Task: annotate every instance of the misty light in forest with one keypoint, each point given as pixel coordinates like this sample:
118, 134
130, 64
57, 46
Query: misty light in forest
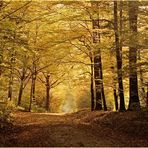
73, 73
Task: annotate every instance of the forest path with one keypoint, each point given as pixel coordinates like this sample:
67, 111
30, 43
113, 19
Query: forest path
46, 129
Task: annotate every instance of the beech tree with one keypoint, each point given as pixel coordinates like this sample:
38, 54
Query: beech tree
84, 43
118, 58
134, 103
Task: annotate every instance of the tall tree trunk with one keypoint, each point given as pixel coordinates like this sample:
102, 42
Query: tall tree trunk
10, 87
21, 85
134, 103
47, 92
101, 76
92, 85
119, 59
115, 89
97, 60
97, 75
20, 93
34, 84
12, 64
31, 94
115, 98
32, 91
101, 69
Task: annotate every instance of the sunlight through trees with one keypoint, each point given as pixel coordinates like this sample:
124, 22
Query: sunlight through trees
62, 56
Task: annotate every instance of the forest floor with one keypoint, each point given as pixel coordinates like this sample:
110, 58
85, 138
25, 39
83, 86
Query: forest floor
83, 128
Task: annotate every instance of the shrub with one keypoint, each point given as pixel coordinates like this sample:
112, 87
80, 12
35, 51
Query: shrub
5, 114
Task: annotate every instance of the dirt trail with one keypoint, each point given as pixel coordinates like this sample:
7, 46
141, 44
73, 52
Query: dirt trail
45, 129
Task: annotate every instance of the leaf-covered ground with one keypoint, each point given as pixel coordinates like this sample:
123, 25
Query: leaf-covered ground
83, 128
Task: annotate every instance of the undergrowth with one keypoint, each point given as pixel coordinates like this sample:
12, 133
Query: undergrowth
6, 115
